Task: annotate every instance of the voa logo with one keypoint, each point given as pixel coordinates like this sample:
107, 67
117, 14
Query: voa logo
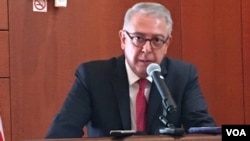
236, 132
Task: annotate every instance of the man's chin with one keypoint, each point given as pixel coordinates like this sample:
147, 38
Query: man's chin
142, 73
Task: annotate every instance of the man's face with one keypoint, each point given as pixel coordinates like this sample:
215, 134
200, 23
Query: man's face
148, 27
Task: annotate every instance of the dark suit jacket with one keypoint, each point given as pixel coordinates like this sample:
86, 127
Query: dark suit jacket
99, 98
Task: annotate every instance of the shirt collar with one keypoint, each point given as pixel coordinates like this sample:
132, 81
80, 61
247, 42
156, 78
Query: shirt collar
132, 77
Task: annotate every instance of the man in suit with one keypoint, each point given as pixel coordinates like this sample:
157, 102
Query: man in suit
103, 96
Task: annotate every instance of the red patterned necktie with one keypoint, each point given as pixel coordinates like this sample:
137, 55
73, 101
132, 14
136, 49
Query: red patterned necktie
141, 104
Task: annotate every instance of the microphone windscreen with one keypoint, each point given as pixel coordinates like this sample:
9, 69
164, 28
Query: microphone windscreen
153, 67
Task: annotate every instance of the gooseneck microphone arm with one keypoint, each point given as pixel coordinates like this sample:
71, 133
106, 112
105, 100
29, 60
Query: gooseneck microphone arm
168, 104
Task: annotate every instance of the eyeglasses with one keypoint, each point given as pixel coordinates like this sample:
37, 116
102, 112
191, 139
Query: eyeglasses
139, 40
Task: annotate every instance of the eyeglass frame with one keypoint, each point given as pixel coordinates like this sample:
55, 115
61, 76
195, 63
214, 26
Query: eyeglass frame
145, 40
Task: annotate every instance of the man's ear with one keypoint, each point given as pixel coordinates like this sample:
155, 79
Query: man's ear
122, 39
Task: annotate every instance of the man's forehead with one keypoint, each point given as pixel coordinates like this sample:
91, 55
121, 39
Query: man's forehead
147, 24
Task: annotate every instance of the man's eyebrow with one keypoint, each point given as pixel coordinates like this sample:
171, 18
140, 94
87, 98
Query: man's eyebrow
143, 34
138, 33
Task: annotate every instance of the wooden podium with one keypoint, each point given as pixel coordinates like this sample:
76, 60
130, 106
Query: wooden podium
187, 137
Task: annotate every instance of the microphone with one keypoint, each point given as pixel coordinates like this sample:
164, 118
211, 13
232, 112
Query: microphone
154, 70
169, 106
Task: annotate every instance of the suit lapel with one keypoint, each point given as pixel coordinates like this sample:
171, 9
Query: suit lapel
154, 104
121, 90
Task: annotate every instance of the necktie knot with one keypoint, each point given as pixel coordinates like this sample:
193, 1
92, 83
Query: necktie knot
142, 83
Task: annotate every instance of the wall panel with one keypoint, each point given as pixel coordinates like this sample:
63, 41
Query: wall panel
229, 83
3, 15
4, 71
4, 54
246, 56
211, 35
5, 107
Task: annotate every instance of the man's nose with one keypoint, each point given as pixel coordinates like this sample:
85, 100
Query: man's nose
147, 47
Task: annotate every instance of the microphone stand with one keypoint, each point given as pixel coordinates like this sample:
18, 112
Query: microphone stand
170, 128
168, 104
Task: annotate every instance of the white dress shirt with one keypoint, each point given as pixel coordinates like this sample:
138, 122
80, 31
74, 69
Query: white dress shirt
133, 90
